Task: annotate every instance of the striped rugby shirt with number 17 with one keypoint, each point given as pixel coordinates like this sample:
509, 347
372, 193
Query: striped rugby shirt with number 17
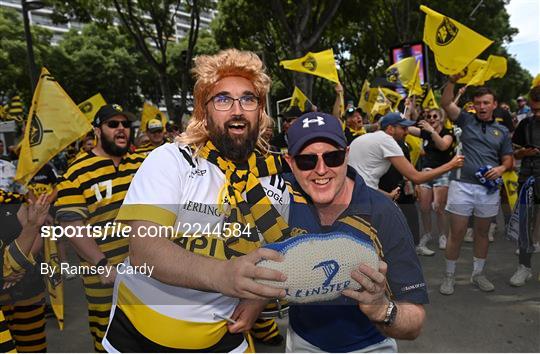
93, 190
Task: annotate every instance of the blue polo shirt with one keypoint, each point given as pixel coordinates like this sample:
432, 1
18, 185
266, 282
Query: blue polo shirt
484, 143
339, 325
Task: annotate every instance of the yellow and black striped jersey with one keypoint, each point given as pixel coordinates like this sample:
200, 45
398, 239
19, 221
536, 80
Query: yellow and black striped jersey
147, 148
93, 189
6, 343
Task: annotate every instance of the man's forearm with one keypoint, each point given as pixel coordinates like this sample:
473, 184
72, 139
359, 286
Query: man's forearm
27, 237
85, 246
428, 175
508, 162
408, 324
447, 97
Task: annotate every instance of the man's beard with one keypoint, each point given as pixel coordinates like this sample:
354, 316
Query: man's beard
111, 148
235, 149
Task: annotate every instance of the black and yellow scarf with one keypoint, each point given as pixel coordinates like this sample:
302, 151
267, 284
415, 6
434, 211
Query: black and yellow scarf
256, 210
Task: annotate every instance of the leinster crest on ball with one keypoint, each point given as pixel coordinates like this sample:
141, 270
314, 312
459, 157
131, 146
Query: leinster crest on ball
310, 63
446, 32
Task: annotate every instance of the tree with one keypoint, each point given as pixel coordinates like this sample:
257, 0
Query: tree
152, 27
15, 77
206, 44
101, 59
296, 28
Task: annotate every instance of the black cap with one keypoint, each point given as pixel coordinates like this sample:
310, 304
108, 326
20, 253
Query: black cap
109, 111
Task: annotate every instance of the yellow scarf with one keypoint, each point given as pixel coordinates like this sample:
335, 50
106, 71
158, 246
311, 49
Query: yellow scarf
256, 210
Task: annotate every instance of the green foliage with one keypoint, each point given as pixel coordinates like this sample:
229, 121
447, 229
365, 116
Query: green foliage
100, 59
13, 59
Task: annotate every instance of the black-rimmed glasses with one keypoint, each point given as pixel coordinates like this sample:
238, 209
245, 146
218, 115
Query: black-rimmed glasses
225, 103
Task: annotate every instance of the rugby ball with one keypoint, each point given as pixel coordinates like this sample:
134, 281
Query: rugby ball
318, 266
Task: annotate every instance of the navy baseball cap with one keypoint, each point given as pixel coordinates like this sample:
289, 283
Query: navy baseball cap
314, 125
395, 118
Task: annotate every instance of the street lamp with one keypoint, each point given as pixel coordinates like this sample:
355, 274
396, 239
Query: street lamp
29, 5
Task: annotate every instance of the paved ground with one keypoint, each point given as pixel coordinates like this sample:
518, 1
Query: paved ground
506, 320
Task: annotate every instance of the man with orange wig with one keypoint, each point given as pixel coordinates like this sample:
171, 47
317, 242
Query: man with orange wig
216, 193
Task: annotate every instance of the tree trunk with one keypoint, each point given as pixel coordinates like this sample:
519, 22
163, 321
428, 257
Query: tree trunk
167, 95
304, 82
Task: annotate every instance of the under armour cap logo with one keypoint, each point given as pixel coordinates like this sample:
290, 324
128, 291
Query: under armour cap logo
307, 121
117, 107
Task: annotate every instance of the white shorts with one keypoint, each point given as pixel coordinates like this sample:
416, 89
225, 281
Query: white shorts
297, 344
468, 199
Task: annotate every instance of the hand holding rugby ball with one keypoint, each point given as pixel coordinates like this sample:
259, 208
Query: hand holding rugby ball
318, 266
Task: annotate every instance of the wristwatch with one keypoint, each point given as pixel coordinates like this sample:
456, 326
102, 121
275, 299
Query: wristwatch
391, 313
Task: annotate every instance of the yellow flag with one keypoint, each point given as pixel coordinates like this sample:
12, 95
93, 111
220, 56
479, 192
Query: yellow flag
392, 97
320, 64
2, 112
151, 112
415, 147
300, 100
471, 70
415, 88
402, 72
381, 100
55, 284
54, 122
510, 181
430, 101
92, 105
494, 67
453, 44
364, 97
536, 81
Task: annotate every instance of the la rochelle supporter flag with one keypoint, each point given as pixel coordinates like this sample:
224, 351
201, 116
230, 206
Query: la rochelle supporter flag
92, 105
300, 100
320, 64
415, 88
364, 97
495, 67
453, 44
151, 112
471, 70
510, 181
381, 100
55, 284
430, 101
402, 72
536, 81
54, 122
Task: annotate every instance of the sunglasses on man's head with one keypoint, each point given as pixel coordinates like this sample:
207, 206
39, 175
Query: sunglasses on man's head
113, 124
306, 162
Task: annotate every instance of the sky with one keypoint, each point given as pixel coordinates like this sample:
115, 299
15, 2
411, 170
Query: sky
525, 16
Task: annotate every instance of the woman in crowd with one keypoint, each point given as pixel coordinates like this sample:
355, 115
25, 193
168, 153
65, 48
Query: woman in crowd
438, 149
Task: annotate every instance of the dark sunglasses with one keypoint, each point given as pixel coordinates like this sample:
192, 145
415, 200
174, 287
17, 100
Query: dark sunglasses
113, 124
434, 116
306, 162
